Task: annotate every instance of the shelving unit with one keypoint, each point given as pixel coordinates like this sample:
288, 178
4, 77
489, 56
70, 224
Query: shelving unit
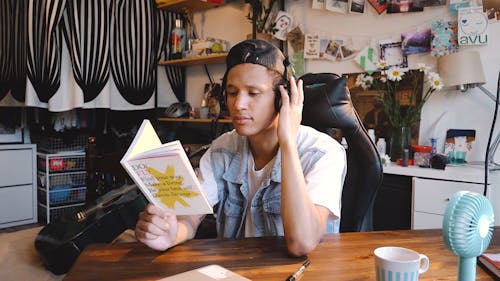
61, 183
184, 6
193, 120
208, 59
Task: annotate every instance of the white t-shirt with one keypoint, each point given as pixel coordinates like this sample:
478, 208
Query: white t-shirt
256, 180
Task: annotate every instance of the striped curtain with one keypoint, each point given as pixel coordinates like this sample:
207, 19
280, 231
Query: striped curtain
133, 53
45, 46
86, 30
5, 47
19, 46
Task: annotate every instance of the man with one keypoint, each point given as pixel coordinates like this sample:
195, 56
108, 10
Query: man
270, 175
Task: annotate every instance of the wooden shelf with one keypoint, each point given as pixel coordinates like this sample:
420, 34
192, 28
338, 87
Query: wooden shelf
208, 59
193, 120
184, 6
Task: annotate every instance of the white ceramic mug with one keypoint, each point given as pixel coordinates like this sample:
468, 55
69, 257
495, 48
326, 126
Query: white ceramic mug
396, 263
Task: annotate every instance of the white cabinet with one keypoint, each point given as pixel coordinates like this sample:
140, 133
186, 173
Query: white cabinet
430, 198
18, 195
432, 189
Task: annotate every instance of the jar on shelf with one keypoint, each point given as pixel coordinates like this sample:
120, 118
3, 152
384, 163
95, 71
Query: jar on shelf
422, 155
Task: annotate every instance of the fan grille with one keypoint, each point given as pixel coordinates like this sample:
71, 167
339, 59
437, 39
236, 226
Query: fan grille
468, 224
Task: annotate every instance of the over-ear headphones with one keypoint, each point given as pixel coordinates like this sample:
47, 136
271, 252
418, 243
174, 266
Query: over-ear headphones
277, 94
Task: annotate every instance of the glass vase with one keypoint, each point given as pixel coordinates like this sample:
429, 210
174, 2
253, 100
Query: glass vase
400, 140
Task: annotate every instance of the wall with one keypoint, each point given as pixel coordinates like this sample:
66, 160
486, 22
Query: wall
471, 110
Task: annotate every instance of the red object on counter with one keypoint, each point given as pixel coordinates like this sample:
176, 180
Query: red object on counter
400, 162
422, 148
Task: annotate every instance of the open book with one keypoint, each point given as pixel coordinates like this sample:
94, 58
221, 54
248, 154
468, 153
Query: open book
164, 174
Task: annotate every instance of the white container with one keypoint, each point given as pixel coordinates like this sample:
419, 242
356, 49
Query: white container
381, 146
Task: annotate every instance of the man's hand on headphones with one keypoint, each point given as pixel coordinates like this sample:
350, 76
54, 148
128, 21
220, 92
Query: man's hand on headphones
290, 114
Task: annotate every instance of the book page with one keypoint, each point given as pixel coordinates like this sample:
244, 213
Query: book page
164, 174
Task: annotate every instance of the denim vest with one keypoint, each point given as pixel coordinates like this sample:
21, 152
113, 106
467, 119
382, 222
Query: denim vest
229, 163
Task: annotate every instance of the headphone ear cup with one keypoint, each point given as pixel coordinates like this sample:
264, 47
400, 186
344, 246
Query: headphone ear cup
277, 99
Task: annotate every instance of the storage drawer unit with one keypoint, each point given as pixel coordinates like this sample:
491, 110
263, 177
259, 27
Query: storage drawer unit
18, 194
430, 198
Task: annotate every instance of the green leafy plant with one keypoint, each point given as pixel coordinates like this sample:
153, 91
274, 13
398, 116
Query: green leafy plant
262, 9
388, 84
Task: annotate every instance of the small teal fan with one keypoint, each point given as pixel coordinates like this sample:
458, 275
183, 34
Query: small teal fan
467, 230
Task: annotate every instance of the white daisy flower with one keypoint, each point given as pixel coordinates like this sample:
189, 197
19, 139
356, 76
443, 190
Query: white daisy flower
422, 67
382, 64
383, 79
436, 83
395, 74
433, 75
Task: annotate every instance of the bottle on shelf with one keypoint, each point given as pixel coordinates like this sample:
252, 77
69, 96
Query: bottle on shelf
178, 40
371, 134
381, 146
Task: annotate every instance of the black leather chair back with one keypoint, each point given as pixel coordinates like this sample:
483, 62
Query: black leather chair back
327, 104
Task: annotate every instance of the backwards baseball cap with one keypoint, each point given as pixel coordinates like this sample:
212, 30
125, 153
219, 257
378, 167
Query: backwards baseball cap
257, 52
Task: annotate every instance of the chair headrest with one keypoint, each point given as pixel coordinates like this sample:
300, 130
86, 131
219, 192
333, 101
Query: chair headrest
327, 102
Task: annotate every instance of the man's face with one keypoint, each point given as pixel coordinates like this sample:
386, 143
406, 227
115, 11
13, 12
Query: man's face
250, 99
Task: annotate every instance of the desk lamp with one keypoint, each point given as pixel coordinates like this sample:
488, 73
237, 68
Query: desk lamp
464, 71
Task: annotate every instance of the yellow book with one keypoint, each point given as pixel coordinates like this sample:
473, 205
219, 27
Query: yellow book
164, 174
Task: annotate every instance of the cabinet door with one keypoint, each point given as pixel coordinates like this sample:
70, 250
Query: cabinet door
16, 167
432, 196
392, 209
426, 221
16, 203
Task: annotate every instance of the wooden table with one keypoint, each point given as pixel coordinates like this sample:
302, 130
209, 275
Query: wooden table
346, 256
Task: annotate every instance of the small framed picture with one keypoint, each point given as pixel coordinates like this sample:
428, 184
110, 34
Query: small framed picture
391, 52
337, 6
415, 42
379, 5
402, 6
357, 6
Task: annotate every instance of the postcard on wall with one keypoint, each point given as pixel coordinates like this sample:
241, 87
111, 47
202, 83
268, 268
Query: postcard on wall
282, 25
402, 6
456, 4
492, 9
416, 42
391, 52
357, 6
430, 3
444, 38
367, 60
472, 26
311, 46
337, 6
318, 4
379, 5
330, 49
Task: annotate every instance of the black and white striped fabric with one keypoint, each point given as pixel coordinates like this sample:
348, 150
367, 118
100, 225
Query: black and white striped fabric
19, 56
86, 30
45, 46
5, 47
133, 53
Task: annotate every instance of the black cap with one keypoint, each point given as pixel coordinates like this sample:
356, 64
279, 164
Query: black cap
257, 52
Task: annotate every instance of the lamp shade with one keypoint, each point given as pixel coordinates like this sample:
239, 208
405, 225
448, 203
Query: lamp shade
462, 68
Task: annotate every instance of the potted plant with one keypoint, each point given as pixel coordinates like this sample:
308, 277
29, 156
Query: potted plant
260, 11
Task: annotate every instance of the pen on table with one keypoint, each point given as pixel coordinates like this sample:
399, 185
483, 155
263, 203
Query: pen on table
299, 271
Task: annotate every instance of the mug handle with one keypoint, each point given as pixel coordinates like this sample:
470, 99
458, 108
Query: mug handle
425, 265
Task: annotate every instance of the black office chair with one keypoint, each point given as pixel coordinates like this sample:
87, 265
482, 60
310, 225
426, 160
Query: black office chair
327, 104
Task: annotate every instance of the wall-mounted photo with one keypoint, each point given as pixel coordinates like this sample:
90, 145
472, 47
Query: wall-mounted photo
379, 5
402, 6
415, 42
391, 52
357, 6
